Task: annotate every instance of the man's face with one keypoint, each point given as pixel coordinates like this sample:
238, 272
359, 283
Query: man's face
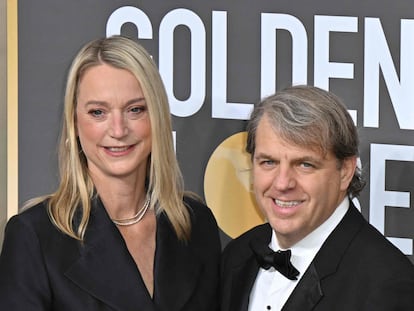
296, 187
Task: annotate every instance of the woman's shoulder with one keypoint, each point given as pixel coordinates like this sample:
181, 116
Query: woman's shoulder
35, 217
202, 218
33, 226
34, 210
204, 228
196, 205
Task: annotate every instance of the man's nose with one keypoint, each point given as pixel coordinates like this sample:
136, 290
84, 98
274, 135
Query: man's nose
284, 178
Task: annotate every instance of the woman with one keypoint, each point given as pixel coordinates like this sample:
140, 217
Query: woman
118, 233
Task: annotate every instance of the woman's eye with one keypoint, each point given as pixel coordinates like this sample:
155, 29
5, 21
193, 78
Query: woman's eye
96, 113
136, 109
136, 112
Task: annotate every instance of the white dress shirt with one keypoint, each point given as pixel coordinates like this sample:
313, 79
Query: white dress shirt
271, 289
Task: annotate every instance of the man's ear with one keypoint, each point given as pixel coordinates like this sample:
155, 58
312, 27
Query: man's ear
347, 171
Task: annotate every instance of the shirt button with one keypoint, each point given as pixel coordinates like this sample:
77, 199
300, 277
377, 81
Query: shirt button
269, 308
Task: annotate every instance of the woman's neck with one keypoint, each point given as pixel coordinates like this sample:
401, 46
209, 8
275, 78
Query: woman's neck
122, 198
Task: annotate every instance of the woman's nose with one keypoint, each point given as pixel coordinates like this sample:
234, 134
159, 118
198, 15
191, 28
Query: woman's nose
118, 126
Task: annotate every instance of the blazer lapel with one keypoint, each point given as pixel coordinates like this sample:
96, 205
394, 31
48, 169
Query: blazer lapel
177, 270
244, 271
309, 290
105, 268
243, 278
307, 293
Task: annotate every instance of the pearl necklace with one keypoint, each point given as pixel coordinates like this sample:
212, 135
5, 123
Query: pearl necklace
134, 219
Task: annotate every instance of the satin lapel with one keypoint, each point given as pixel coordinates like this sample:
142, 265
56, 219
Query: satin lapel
177, 269
307, 293
310, 288
243, 278
106, 270
333, 250
244, 271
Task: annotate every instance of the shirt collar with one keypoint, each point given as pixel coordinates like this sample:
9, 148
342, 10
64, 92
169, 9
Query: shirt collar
314, 240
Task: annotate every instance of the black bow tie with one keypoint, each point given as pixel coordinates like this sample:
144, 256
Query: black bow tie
280, 260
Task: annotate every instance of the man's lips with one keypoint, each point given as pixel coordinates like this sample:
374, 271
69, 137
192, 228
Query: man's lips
287, 204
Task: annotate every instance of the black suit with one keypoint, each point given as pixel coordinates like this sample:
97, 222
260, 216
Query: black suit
355, 269
43, 269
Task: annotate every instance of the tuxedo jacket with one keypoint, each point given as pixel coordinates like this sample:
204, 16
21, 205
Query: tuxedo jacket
44, 269
356, 268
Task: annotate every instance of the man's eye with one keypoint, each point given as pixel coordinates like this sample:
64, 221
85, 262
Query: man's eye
307, 165
267, 162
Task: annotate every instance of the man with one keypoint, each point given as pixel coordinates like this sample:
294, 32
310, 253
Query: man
304, 149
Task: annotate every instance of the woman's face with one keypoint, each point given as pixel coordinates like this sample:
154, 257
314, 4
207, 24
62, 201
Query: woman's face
113, 123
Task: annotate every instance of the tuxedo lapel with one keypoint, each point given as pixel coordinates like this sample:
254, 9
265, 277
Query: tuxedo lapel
244, 267
105, 268
334, 248
310, 288
307, 293
243, 278
177, 270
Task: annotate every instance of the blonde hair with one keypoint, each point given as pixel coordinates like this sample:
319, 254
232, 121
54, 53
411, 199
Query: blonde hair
164, 179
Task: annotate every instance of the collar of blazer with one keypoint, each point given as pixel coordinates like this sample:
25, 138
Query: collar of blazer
240, 267
106, 270
310, 288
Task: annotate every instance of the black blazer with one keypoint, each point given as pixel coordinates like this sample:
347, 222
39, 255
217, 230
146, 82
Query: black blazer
357, 268
43, 269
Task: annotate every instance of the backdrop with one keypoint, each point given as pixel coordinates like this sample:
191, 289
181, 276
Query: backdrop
217, 58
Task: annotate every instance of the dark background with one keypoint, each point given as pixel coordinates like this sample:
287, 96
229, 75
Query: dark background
52, 31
